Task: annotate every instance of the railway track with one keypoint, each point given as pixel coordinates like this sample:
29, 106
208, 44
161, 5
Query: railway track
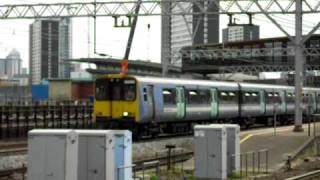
314, 175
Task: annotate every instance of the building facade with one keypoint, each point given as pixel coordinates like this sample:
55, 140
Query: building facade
2, 67
50, 46
11, 65
180, 31
240, 32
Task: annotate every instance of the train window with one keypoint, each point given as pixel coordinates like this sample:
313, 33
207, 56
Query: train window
145, 96
116, 89
205, 96
251, 97
290, 97
129, 89
223, 94
102, 89
198, 96
273, 97
226, 97
169, 96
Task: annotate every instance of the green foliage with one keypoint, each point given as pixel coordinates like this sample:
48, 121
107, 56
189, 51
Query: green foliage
154, 178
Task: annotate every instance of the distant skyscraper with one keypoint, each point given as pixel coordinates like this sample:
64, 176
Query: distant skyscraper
180, 31
2, 67
50, 45
13, 63
65, 47
241, 32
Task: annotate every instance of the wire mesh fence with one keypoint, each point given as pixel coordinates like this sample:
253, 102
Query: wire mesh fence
17, 119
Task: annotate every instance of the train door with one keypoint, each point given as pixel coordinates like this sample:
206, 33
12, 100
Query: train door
313, 102
214, 102
181, 103
283, 104
262, 102
149, 101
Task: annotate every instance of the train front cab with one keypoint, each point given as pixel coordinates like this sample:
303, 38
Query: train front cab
116, 102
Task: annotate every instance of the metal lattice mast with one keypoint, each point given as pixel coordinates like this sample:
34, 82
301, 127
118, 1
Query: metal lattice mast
152, 8
299, 64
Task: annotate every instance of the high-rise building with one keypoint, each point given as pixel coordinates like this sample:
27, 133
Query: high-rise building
241, 32
2, 67
180, 31
65, 47
50, 46
11, 65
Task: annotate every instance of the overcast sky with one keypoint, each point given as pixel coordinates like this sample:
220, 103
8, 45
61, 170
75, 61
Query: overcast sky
112, 41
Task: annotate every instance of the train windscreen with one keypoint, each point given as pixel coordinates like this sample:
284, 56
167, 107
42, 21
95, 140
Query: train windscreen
116, 89
102, 89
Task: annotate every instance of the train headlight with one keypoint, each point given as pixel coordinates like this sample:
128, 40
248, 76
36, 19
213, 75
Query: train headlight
125, 114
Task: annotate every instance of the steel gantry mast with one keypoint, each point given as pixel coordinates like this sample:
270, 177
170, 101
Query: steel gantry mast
154, 7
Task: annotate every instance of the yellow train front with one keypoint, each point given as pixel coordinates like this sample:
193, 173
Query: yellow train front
116, 102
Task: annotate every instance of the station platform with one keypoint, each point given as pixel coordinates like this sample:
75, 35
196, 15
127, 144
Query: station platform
279, 145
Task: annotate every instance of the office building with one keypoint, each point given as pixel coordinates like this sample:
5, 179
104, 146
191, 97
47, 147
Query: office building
180, 31
241, 32
50, 46
11, 65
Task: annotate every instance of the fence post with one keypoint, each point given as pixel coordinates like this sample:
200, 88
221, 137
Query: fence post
17, 120
44, 114
68, 116
26, 119
90, 115
253, 162
76, 115
246, 159
7, 121
258, 161
83, 116
182, 170
61, 115
267, 158
241, 164
52, 116
35, 108
169, 147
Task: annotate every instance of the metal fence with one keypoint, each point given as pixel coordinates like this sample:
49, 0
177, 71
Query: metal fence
251, 164
17, 120
169, 166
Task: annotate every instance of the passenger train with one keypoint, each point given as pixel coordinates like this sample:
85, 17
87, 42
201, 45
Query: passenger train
150, 105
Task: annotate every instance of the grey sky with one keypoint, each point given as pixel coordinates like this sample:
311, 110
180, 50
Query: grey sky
112, 41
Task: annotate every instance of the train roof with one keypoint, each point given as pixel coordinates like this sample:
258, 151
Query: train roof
191, 82
215, 83
196, 82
